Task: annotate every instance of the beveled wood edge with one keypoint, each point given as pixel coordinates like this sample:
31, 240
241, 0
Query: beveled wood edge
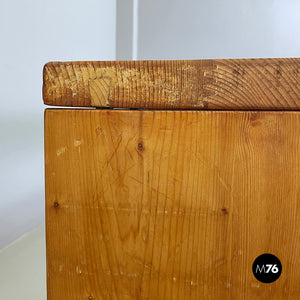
222, 84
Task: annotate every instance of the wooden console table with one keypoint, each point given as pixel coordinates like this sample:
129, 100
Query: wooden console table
177, 176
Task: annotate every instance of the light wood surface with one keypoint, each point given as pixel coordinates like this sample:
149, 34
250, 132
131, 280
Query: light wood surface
171, 204
271, 84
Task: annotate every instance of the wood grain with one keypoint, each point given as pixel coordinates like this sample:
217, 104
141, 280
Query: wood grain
271, 84
171, 204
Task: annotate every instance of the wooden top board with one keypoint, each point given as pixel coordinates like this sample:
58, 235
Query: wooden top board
241, 84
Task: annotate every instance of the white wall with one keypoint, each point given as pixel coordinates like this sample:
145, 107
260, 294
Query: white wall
286, 22
33, 32
194, 29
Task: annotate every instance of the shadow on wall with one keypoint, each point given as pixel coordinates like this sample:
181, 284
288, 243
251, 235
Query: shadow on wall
21, 176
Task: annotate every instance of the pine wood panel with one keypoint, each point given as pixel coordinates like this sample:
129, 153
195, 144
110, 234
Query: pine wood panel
171, 204
271, 84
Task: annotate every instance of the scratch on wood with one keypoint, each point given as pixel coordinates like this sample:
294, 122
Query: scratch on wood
61, 151
77, 143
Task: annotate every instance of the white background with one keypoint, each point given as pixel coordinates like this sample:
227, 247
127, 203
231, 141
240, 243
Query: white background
194, 29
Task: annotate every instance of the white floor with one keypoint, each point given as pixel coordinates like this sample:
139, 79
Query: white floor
23, 267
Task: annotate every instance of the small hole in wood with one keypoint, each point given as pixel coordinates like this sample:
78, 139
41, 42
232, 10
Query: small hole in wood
224, 211
140, 146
